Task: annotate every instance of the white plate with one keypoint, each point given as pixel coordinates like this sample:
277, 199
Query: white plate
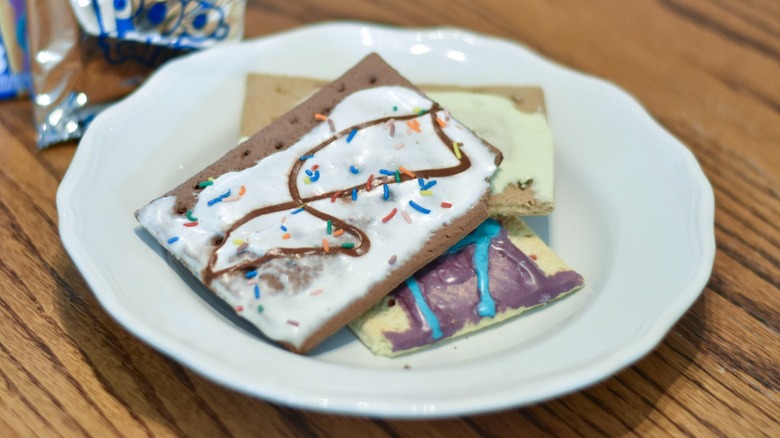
634, 215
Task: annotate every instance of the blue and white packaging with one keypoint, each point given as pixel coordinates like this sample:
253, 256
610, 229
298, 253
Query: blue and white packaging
14, 57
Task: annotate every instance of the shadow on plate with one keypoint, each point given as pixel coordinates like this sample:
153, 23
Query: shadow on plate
540, 225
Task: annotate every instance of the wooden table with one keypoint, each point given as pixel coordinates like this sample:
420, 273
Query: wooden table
708, 70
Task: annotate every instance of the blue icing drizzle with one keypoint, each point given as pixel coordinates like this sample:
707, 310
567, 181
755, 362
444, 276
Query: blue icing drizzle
481, 239
430, 317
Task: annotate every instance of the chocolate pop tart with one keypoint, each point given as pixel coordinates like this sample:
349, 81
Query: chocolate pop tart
320, 214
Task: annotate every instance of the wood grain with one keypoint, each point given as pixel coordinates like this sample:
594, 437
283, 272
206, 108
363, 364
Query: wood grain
705, 69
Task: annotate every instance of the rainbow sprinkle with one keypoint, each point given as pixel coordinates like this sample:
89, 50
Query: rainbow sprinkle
315, 177
389, 215
284, 228
386, 194
242, 191
392, 260
321, 117
251, 274
191, 217
338, 233
240, 250
331, 125
219, 198
446, 205
306, 157
406, 216
428, 185
286, 236
257, 292
406, 171
397, 176
204, 184
299, 209
368, 182
329, 227
348, 245
418, 207
173, 239
190, 224
354, 169
421, 182
414, 125
354, 194
351, 135
456, 149
395, 108
260, 308
441, 122
426, 193
386, 172
325, 245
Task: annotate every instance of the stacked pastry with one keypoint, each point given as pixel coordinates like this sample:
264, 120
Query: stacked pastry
368, 204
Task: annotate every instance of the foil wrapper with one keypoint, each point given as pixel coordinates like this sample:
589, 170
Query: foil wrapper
87, 54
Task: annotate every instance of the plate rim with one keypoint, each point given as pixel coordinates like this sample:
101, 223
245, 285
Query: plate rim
643, 343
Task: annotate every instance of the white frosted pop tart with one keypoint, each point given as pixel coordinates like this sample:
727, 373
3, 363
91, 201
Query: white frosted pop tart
314, 218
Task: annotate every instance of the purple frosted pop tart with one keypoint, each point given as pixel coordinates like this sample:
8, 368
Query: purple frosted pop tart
498, 271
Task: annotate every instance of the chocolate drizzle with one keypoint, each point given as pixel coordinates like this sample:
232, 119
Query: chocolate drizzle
363, 243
